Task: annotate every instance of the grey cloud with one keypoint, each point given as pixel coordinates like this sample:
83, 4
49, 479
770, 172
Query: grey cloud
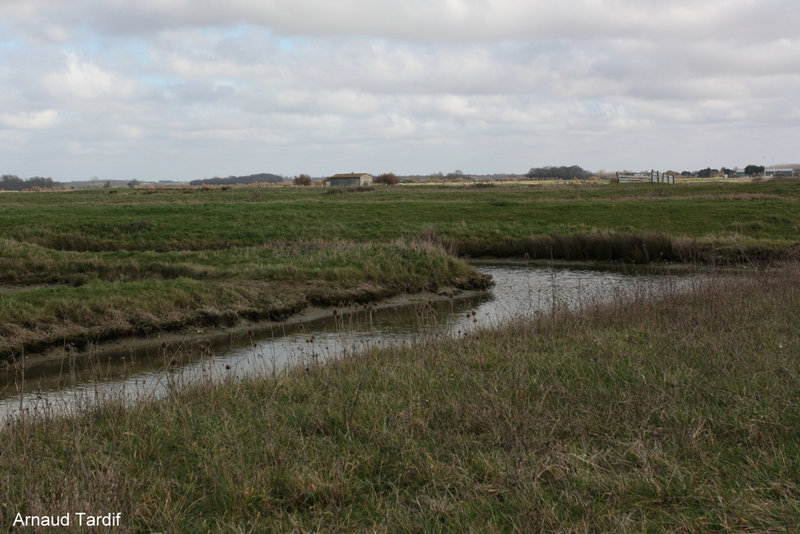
427, 20
496, 83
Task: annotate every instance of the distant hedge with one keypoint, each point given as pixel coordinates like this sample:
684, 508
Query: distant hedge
234, 180
10, 182
564, 173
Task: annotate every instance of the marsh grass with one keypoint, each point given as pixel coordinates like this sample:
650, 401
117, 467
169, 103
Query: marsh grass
672, 414
85, 266
629, 247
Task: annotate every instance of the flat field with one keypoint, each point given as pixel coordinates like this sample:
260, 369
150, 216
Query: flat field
81, 266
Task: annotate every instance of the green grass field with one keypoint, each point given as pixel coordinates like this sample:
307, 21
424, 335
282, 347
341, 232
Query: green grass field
165, 220
81, 266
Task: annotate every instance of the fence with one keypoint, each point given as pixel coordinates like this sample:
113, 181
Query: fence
653, 177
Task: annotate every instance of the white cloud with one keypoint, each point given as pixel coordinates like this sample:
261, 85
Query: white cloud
85, 80
33, 120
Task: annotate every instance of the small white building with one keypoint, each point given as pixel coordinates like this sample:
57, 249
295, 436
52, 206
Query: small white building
352, 179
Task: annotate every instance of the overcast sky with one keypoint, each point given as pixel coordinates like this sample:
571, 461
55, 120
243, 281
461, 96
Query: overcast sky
185, 89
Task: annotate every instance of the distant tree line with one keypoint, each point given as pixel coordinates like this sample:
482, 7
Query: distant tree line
238, 180
564, 173
10, 182
708, 172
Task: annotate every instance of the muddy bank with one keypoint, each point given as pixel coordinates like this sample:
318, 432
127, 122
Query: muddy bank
277, 303
199, 337
654, 268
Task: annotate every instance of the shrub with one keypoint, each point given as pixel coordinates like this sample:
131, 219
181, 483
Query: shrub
302, 179
388, 178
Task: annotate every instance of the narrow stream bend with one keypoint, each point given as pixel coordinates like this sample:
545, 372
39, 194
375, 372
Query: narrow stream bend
519, 292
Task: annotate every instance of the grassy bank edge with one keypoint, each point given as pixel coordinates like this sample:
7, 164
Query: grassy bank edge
102, 310
222, 335
629, 247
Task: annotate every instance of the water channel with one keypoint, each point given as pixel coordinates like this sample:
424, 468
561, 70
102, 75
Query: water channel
156, 371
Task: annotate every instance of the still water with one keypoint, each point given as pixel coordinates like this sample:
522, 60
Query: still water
81, 383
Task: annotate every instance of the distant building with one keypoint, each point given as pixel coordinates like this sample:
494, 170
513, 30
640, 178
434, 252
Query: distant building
353, 179
782, 170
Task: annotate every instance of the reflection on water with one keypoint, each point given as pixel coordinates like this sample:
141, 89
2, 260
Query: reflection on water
74, 384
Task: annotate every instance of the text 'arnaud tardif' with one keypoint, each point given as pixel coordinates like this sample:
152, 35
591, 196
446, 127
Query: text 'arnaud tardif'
81, 519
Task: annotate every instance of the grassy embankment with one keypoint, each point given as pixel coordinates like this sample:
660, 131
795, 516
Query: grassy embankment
680, 414
88, 265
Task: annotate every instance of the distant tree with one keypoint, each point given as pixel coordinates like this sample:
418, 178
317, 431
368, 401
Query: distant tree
564, 173
706, 173
388, 178
11, 182
133, 183
728, 172
302, 179
38, 181
754, 170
